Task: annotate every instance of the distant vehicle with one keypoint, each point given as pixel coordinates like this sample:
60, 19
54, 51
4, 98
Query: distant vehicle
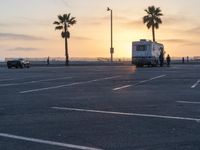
18, 63
146, 52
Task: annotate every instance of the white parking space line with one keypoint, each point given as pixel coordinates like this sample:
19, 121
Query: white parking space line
188, 102
49, 88
34, 140
7, 79
122, 87
161, 76
195, 85
67, 85
34, 81
127, 114
144, 81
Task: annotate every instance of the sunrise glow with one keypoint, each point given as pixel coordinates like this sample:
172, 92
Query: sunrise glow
26, 28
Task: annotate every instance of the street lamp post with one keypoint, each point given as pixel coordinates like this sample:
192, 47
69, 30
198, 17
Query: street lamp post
111, 24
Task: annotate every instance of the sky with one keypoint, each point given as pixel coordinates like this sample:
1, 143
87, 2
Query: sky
27, 30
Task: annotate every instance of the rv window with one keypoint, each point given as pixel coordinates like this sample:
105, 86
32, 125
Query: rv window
141, 48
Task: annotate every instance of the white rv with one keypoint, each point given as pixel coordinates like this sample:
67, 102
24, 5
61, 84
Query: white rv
146, 52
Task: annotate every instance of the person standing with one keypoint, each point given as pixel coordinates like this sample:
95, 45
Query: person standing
47, 60
168, 60
161, 58
183, 60
187, 59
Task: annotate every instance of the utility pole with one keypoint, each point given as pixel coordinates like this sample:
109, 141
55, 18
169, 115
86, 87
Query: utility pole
111, 24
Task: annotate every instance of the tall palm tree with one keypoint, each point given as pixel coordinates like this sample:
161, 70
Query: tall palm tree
152, 19
63, 23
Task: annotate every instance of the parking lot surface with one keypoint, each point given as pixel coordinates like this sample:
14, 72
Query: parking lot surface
100, 107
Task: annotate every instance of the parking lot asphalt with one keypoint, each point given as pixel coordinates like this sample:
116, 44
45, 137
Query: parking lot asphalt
100, 107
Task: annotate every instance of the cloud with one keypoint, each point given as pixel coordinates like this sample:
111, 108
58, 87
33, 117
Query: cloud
106, 19
11, 36
174, 20
81, 38
32, 21
65, 3
116, 18
133, 23
195, 30
173, 41
182, 42
182, 25
22, 49
3, 25
192, 32
21, 22
85, 21
127, 22
179, 20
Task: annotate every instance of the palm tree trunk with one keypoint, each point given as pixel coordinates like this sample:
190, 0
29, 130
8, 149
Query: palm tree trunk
153, 33
66, 47
66, 53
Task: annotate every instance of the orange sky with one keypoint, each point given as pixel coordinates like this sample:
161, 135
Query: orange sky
26, 28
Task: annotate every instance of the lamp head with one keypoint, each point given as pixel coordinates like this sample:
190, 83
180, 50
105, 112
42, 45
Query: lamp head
108, 9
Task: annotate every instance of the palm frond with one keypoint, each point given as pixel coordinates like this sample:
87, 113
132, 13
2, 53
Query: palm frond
156, 25
60, 18
145, 19
153, 17
151, 9
72, 18
159, 14
64, 22
68, 16
158, 20
56, 23
58, 27
146, 10
149, 25
72, 21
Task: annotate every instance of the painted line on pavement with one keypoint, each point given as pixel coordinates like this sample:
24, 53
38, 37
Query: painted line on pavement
122, 87
34, 81
49, 88
140, 82
7, 79
127, 114
67, 85
188, 102
196, 84
34, 140
161, 76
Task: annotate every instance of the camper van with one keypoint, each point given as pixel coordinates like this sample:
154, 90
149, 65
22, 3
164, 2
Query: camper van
146, 52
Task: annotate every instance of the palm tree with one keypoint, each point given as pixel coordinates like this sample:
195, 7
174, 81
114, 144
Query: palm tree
63, 23
152, 19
